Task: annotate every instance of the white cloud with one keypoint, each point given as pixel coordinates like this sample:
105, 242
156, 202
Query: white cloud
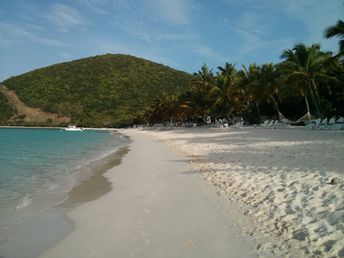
122, 4
154, 36
252, 29
316, 15
207, 52
66, 56
173, 37
98, 6
137, 29
64, 17
104, 46
4, 43
34, 27
176, 12
312, 15
14, 33
111, 47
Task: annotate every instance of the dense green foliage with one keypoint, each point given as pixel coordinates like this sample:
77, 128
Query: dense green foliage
121, 90
107, 90
306, 82
337, 30
6, 111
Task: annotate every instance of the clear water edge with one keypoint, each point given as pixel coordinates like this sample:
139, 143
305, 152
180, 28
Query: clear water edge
105, 152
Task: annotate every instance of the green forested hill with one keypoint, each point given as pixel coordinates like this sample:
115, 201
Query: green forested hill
6, 111
106, 90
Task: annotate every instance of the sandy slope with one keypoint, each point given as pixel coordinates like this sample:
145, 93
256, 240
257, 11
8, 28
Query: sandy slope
157, 208
280, 177
31, 115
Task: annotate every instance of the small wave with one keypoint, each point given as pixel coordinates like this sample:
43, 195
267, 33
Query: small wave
51, 187
26, 201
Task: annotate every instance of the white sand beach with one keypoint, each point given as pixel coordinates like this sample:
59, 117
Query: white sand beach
158, 207
280, 178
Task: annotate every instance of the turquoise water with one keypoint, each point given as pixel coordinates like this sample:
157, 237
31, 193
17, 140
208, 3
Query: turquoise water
38, 167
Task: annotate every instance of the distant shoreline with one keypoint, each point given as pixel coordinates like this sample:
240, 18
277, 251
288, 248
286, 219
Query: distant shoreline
55, 127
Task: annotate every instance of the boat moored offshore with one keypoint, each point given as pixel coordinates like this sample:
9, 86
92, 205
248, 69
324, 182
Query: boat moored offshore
73, 128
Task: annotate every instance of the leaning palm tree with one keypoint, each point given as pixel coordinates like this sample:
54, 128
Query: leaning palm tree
303, 68
336, 30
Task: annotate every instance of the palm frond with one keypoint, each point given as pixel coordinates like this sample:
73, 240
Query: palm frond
341, 46
335, 30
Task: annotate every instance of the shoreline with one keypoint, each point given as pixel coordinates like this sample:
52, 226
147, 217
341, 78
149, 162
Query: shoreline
55, 127
96, 185
269, 188
89, 187
157, 208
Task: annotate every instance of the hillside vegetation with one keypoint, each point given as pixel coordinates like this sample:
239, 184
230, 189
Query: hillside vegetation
6, 110
18, 113
107, 90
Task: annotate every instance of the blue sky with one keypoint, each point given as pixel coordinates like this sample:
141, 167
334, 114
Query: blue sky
182, 34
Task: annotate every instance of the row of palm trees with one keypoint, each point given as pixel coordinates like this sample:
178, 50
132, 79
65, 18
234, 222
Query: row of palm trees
304, 73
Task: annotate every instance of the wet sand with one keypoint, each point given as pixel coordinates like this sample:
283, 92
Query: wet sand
157, 207
49, 227
96, 185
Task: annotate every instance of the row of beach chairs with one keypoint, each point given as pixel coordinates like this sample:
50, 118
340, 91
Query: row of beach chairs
326, 124
226, 125
274, 124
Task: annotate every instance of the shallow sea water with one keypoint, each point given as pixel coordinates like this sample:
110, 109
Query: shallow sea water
38, 169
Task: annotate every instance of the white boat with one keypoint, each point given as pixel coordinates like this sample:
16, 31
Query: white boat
73, 128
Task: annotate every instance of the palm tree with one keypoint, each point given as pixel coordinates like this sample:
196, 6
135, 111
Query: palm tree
303, 68
204, 78
200, 100
268, 84
336, 30
224, 92
162, 108
248, 82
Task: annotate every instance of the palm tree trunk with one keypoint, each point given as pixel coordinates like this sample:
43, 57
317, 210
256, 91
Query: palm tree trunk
258, 111
276, 106
315, 101
307, 105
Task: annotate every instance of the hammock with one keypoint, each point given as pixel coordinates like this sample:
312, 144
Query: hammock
305, 118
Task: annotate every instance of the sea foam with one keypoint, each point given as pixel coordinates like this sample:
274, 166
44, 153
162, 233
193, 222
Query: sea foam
24, 202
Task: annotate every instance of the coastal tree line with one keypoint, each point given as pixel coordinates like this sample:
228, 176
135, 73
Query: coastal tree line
307, 83
121, 90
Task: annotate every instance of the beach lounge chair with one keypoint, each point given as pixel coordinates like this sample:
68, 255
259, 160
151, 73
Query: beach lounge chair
280, 124
323, 124
271, 123
339, 124
331, 123
238, 124
275, 124
316, 124
265, 124
309, 125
